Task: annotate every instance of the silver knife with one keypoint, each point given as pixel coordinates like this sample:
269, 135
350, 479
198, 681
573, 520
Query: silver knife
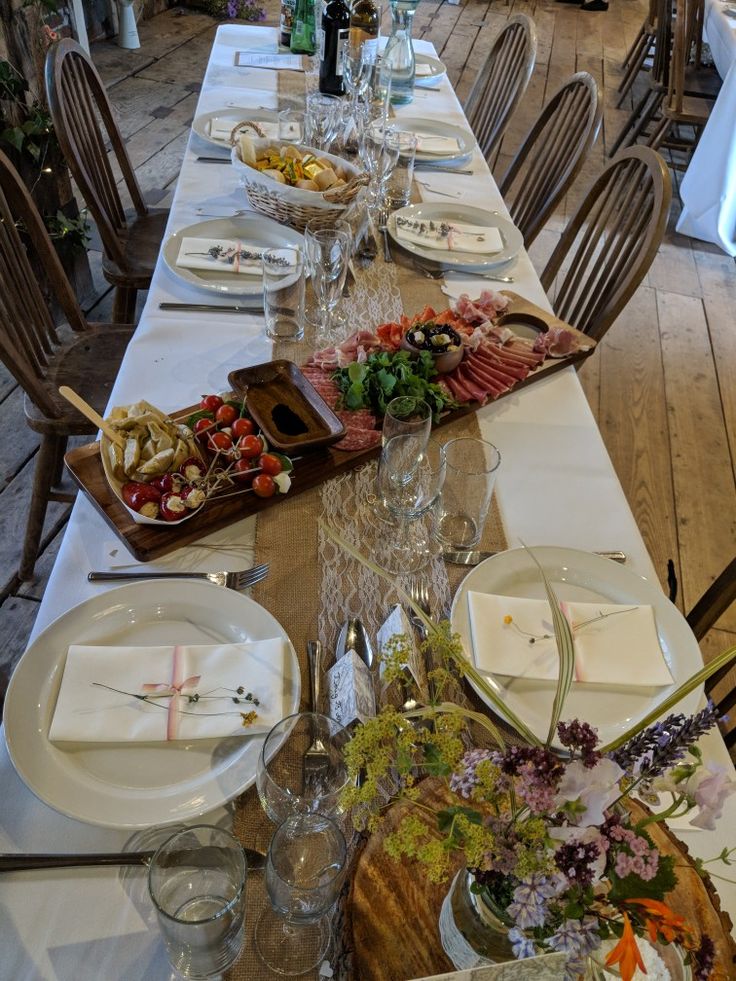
210, 308
440, 170
26, 863
214, 160
475, 557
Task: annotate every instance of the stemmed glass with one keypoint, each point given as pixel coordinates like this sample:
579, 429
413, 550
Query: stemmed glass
328, 255
321, 120
305, 870
410, 419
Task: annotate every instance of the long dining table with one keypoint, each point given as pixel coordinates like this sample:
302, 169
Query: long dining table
556, 487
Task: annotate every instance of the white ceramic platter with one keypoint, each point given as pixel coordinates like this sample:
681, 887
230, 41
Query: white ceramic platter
201, 124
135, 786
434, 127
436, 69
581, 576
512, 238
253, 230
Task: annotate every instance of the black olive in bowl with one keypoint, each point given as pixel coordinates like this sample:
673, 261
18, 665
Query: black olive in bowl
442, 342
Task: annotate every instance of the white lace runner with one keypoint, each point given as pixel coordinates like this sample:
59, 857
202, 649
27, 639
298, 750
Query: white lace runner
348, 588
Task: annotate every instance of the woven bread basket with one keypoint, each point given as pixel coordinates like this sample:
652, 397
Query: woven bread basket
295, 206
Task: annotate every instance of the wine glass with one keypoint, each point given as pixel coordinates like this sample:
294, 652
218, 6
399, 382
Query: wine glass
305, 870
409, 485
291, 781
328, 255
410, 418
321, 120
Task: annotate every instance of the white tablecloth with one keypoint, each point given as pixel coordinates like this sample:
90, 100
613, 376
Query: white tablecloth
555, 485
708, 189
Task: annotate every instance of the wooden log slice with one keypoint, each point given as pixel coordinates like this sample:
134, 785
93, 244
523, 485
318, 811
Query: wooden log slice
395, 909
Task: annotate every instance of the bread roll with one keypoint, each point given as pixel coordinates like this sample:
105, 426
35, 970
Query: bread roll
325, 178
247, 150
307, 185
275, 174
290, 153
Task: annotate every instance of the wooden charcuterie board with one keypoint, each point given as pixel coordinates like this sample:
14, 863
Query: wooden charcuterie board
148, 542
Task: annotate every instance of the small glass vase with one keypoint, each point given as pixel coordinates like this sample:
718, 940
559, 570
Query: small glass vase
398, 64
473, 929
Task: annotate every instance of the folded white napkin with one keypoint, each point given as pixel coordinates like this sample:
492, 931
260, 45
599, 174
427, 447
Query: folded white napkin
223, 255
278, 62
423, 70
460, 238
222, 126
86, 712
621, 648
430, 143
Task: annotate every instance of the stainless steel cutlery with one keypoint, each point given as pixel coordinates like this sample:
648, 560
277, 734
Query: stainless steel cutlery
30, 862
231, 580
211, 307
475, 557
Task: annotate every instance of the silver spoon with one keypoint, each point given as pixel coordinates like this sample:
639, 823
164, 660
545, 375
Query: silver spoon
354, 637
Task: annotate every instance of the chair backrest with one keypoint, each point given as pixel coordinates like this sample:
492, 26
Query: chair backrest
662, 43
710, 607
84, 122
501, 82
28, 337
552, 154
610, 241
685, 29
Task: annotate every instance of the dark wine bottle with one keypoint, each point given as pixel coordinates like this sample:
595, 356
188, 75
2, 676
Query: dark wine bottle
334, 41
286, 20
365, 27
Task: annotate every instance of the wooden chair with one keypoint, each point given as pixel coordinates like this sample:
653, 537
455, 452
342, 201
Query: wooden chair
84, 122
501, 82
610, 242
552, 154
710, 607
41, 356
637, 55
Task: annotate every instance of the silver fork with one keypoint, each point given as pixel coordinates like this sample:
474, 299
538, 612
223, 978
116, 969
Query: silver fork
440, 273
232, 580
419, 592
316, 758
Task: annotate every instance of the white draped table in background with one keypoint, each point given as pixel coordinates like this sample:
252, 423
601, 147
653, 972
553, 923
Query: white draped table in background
557, 486
708, 189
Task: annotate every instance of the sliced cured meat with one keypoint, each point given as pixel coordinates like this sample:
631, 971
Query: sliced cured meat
457, 387
499, 367
489, 379
360, 418
358, 439
477, 392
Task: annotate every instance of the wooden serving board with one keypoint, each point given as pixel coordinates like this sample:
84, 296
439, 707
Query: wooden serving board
148, 542
395, 909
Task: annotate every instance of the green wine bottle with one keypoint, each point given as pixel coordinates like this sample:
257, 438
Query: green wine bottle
302, 32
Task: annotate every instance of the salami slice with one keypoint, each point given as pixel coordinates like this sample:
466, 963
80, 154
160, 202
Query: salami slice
358, 439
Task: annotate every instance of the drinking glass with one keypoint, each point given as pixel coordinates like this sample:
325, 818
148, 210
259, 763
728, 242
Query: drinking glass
291, 125
472, 465
321, 120
283, 293
305, 870
328, 255
408, 416
290, 780
386, 159
409, 486
402, 145
197, 883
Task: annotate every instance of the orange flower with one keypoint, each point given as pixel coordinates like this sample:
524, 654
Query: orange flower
661, 919
626, 953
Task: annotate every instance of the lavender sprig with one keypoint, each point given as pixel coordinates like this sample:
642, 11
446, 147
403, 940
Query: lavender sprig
670, 742
628, 755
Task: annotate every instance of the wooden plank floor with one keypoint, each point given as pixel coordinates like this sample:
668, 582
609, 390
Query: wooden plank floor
662, 387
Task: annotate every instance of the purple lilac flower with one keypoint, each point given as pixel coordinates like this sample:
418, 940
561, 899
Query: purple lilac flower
577, 939
582, 737
637, 857
703, 958
538, 772
575, 860
534, 789
232, 8
465, 781
521, 945
529, 907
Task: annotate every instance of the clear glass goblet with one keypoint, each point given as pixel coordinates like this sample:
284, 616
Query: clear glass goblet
305, 870
328, 255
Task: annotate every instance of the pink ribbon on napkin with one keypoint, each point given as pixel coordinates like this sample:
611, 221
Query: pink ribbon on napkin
176, 688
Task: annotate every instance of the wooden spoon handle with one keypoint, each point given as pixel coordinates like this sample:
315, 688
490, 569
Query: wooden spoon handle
89, 413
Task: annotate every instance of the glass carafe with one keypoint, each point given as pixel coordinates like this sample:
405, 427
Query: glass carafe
397, 64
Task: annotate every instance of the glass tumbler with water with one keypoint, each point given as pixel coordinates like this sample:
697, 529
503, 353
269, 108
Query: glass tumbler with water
283, 293
197, 883
471, 468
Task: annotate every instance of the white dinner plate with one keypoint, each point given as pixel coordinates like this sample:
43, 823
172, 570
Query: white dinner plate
201, 124
436, 69
581, 576
255, 230
135, 786
434, 127
513, 241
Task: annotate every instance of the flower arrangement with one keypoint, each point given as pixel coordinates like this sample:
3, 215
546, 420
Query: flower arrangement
235, 10
544, 829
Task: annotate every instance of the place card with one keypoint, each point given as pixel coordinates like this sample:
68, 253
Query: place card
350, 689
277, 62
397, 622
547, 967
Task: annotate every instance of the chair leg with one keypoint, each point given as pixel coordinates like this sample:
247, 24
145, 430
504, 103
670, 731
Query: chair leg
634, 47
59, 461
42, 478
630, 77
123, 306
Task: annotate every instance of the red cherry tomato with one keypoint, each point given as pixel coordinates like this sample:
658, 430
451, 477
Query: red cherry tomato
270, 464
211, 403
165, 483
172, 507
264, 486
136, 494
243, 470
220, 441
226, 415
202, 425
242, 427
251, 446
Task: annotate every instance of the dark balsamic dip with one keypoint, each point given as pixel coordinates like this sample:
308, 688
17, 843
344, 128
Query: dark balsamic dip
287, 421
